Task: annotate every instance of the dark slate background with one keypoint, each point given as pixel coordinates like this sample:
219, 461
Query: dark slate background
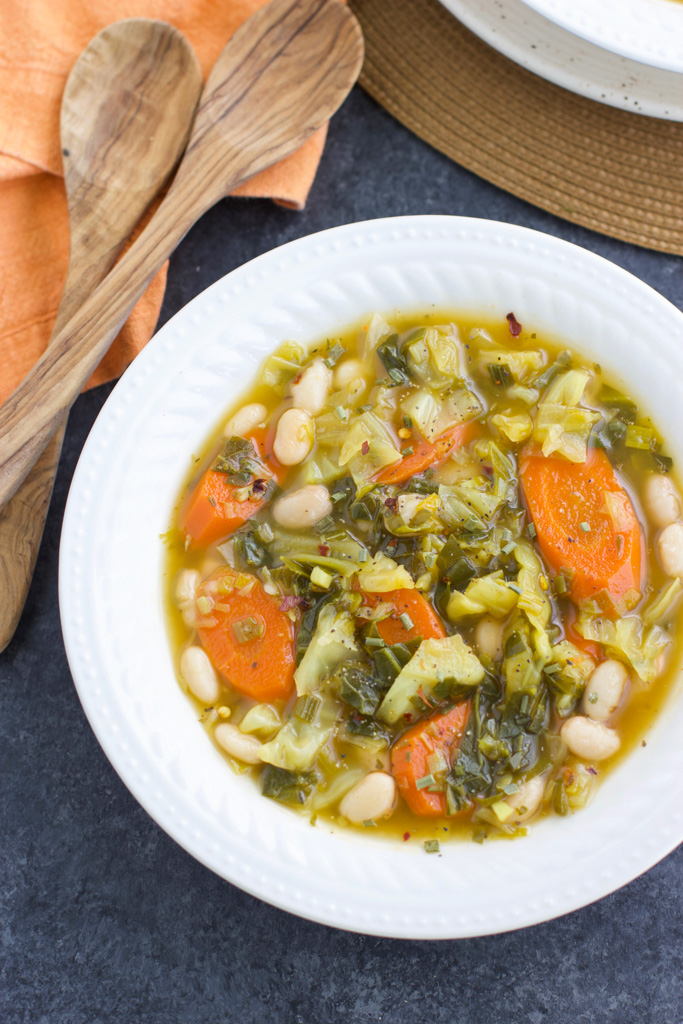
105, 919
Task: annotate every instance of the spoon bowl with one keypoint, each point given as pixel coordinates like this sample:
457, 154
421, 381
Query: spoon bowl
126, 115
279, 78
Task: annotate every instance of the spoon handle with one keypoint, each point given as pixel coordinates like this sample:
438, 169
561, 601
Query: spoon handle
33, 412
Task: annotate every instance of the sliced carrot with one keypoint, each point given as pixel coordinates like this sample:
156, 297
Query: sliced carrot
442, 731
426, 623
567, 505
263, 667
428, 453
212, 511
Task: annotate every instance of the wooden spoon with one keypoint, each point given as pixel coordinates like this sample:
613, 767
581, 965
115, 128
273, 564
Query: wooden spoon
280, 77
126, 115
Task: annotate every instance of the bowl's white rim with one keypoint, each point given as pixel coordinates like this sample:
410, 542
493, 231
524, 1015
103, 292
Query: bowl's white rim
158, 810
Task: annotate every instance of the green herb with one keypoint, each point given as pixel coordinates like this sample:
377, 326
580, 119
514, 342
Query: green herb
306, 707
390, 659
288, 787
432, 846
248, 629
500, 374
334, 355
358, 686
425, 781
562, 363
560, 585
407, 422
531, 531
407, 451
238, 461
585, 527
394, 362
406, 621
618, 403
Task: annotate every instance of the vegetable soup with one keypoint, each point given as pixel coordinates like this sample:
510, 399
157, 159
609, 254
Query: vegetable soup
426, 578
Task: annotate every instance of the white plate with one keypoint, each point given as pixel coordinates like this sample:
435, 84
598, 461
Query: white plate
518, 32
649, 31
112, 557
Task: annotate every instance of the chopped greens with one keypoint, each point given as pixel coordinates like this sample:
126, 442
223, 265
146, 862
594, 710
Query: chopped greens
474, 535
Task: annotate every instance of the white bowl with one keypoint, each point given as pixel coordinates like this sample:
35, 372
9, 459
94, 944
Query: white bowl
647, 31
112, 559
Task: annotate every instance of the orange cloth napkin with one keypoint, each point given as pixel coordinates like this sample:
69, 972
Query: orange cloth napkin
39, 42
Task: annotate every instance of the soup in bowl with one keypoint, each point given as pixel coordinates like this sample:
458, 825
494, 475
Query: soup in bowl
465, 475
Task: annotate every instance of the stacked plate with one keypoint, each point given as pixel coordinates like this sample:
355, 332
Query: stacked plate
627, 53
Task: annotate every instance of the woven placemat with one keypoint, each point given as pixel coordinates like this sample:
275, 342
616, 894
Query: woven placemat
606, 169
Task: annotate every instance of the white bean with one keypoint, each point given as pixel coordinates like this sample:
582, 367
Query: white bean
346, 371
671, 550
527, 799
185, 590
245, 419
200, 675
302, 508
237, 744
604, 689
662, 503
372, 798
488, 637
311, 390
294, 437
589, 740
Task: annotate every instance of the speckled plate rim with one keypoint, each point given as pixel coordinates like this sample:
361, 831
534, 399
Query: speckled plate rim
517, 31
646, 31
111, 568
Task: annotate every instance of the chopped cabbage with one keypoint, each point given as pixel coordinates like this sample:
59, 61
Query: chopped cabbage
628, 640
570, 679
378, 329
449, 661
664, 601
426, 412
434, 357
297, 744
485, 594
533, 600
560, 426
367, 447
261, 720
283, 366
520, 363
383, 574
515, 426
332, 643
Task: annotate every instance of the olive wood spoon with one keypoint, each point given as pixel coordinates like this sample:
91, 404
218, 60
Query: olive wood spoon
279, 78
126, 115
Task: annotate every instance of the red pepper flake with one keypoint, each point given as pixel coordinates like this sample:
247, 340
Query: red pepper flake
593, 771
290, 601
392, 504
406, 837
515, 326
324, 549
259, 486
365, 447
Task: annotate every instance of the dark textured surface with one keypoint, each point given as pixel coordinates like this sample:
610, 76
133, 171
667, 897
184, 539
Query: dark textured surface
104, 918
